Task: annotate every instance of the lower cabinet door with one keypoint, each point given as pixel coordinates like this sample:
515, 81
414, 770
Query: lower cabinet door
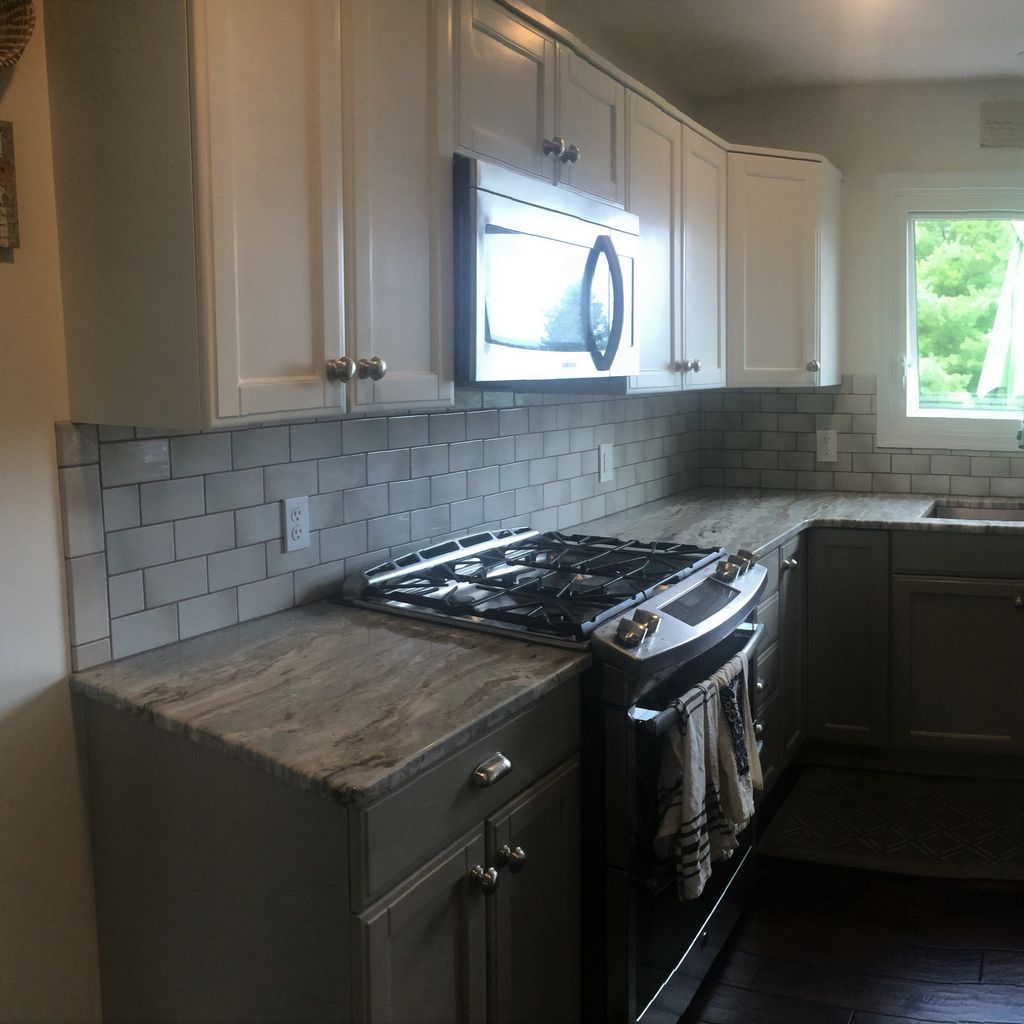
792, 647
534, 927
424, 949
958, 663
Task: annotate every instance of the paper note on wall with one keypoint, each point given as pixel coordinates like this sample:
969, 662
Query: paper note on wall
1002, 124
8, 191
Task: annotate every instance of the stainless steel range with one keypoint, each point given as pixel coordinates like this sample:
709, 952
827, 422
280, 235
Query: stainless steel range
658, 618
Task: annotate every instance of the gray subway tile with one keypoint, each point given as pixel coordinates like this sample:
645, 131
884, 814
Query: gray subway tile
367, 502
447, 426
134, 462
239, 489
466, 455
341, 473
111, 432
387, 531
482, 424
872, 463
326, 510
529, 446
266, 596
513, 421
279, 560
541, 418
482, 481
556, 493
259, 446
499, 450
316, 440
204, 614
407, 431
319, 581
144, 631
343, 541
860, 405
89, 655
81, 506
852, 481
369, 435
197, 454
951, 465
814, 403
891, 483
238, 565
467, 514
204, 534
383, 467
259, 523
448, 488
77, 443
973, 486
140, 547
929, 483
864, 385
405, 495
911, 464
290, 480
1007, 487
126, 593
514, 475
88, 612
121, 507
172, 499
556, 442
430, 460
429, 522
175, 581
992, 466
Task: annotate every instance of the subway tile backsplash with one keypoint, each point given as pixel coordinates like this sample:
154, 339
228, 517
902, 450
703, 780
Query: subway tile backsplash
170, 537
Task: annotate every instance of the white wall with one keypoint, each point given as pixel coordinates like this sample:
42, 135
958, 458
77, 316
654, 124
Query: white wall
867, 131
47, 932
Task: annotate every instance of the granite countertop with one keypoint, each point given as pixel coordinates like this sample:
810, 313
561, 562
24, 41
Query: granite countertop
341, 701
760, 520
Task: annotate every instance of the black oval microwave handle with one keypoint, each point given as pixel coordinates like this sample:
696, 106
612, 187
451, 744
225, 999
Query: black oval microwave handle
603, 244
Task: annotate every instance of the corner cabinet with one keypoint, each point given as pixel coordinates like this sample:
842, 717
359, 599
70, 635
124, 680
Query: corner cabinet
534, 104
783, 271
199, 168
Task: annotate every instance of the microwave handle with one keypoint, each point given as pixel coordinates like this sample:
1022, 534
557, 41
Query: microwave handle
603, 244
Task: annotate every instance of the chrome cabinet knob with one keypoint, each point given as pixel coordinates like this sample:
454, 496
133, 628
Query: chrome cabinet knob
553, 147
677, 365
759, 730
814, 366
759, 686
341, 370
1018, 602
486, 879
571, 155
513, 856
789, 563
489, 771
685, 365
373, 369
695, 366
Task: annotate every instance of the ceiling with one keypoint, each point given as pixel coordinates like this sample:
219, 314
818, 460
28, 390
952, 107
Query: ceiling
714, 48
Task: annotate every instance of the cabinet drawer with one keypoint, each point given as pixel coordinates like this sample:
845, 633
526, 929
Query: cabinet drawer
957, 554
771, 563
767, 675
399, 832
768, 616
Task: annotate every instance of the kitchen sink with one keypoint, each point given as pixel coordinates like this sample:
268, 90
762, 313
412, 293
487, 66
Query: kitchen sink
1011, 512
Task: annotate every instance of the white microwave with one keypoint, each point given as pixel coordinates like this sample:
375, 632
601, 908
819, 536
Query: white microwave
544, 282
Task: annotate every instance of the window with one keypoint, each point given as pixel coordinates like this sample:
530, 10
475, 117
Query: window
953, 371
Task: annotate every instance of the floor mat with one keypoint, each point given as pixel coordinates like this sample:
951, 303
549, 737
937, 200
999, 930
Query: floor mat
905, 824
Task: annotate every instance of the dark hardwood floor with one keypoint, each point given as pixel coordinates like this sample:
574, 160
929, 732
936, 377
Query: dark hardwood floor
824, 945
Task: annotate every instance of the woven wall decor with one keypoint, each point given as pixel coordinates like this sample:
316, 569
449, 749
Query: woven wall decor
17, 19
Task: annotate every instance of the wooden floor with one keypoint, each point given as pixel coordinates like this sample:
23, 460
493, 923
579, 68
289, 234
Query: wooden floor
833, 946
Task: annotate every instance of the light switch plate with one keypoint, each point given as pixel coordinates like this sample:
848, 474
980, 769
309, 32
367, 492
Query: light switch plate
606, 463
296, 523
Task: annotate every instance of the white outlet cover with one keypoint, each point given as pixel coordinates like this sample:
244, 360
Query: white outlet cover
295, 515
826, 446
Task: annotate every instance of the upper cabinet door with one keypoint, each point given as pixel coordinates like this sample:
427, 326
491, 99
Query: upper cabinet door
591, 121
704, 262
268, 147
782, 276
506, 88
655, 159
398, 224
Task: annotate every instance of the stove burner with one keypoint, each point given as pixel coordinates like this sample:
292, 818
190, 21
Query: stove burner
551, 584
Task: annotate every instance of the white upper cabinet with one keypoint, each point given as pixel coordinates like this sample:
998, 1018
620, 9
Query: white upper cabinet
704, 262
525, 101
655, 196
782, 271
398, 215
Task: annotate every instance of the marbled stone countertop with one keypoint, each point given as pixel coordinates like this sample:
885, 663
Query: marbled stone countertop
760, 520
341, 701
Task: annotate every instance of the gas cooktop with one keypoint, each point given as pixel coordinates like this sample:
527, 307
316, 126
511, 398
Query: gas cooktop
555, 587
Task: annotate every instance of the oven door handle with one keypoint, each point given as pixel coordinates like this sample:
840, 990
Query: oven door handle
656, 722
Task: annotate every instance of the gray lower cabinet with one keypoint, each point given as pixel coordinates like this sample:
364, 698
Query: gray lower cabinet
449, 947
792, 647
958, 663
847, 636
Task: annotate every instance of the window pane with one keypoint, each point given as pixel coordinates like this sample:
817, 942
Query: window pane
967, 313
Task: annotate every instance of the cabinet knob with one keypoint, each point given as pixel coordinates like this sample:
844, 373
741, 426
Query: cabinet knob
814, 366
554, 147
373, 369
759, 730
685, 365
488, 772
341, 370
789, 563
677, 365
571, 155
695, 366
1018, 602
759, 686
485, 878
513, 856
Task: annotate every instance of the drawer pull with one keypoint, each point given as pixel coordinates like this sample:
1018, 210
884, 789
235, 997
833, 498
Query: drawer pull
488, 772
789, 563
759, 685
485, 878
759, 730
513, 856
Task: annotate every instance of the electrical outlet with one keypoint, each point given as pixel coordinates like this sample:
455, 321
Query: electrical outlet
606, 462
296, 522
826, 443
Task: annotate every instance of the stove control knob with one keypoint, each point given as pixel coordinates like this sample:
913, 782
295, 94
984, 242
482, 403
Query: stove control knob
652, 620
630, 633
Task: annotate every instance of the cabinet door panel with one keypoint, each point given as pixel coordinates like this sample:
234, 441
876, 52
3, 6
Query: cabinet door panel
398, 188
268, 148
847, 636
654, 196
704, 267
959, 648
425, 949
592, 116
792, 646
534, 970
506, 88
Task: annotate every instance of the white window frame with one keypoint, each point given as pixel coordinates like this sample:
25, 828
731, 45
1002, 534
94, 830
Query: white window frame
952, 195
